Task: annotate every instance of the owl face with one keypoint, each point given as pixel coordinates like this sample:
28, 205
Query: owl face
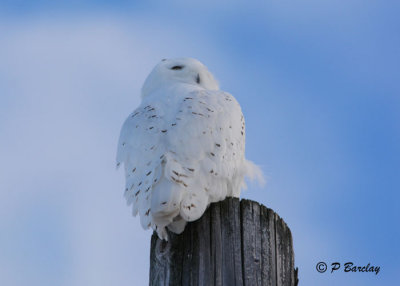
180, 70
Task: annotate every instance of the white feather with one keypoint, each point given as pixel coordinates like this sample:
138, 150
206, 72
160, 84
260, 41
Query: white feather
183, 147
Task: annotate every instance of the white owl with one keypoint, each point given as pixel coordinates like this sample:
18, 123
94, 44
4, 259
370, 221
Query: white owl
183, 147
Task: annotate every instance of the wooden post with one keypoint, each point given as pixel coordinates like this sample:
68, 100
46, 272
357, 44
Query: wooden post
234, 243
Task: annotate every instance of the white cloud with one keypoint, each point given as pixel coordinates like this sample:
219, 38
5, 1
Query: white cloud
68, 85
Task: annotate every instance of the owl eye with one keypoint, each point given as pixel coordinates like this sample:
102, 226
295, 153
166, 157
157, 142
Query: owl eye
177, 67
198, 78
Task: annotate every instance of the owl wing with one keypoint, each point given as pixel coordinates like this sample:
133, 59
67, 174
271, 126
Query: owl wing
181, 153
140, 150
205, 150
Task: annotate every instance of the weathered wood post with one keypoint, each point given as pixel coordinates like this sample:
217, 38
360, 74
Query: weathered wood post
234, 243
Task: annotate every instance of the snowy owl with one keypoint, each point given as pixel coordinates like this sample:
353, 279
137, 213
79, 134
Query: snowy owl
183, 147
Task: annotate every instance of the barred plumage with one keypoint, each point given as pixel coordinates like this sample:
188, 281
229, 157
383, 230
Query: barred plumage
183, 147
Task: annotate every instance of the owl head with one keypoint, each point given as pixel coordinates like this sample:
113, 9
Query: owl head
179, 70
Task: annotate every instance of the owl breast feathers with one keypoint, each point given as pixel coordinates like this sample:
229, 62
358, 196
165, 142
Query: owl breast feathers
183, 147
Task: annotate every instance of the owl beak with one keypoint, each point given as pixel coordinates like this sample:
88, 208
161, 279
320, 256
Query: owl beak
198, 78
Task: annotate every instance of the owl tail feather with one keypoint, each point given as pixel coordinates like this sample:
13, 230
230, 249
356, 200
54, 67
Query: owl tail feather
253, 172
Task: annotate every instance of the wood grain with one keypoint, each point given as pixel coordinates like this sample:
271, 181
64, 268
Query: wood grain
235, 243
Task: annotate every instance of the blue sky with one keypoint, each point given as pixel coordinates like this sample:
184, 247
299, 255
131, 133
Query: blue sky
318, 82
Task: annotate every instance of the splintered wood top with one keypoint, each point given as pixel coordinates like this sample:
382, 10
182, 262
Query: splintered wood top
234, 243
